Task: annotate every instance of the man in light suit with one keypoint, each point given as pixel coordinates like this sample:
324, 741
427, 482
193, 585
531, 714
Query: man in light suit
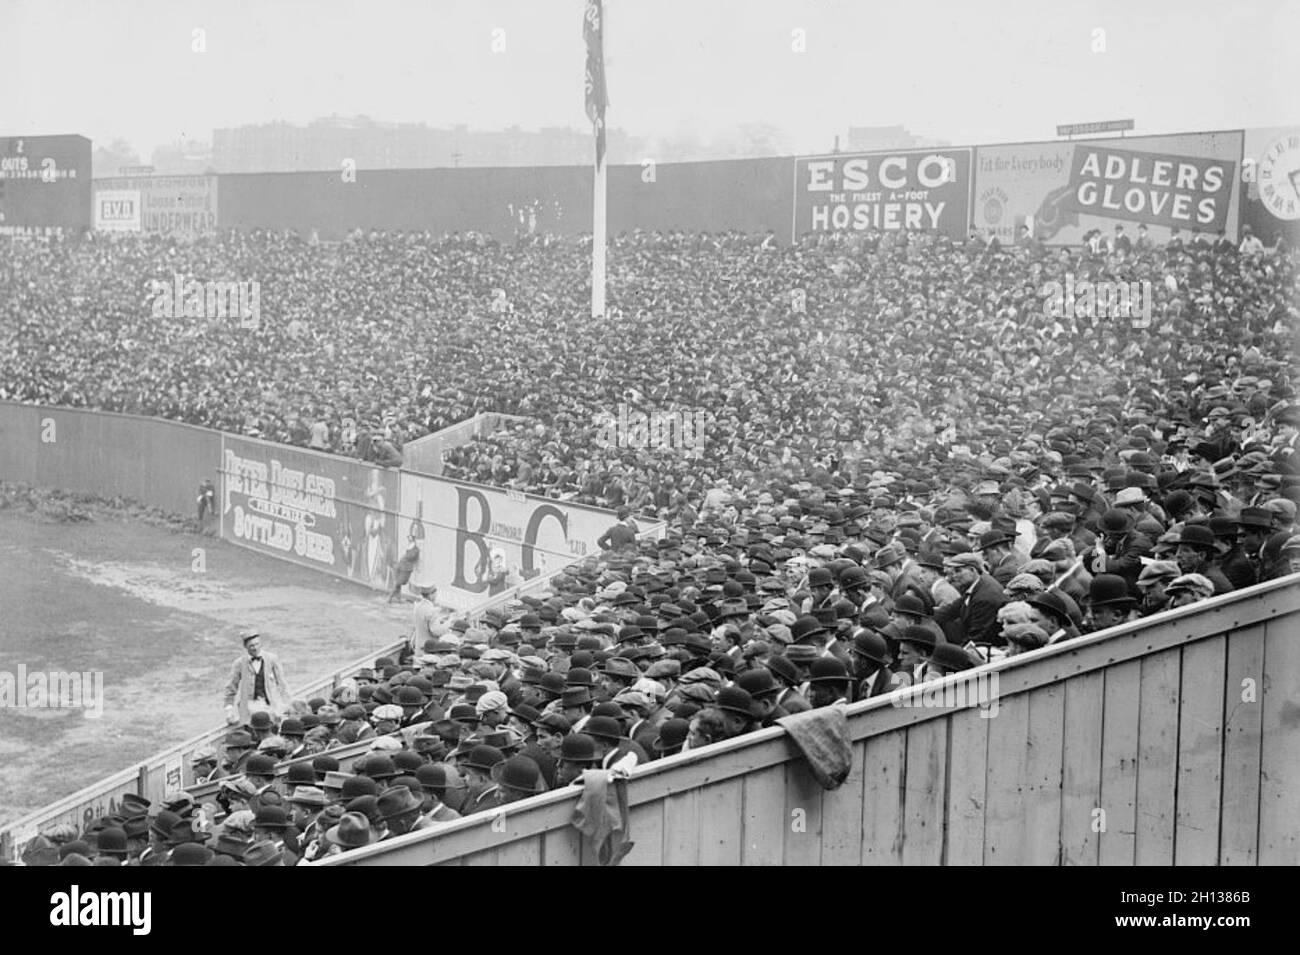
256, 682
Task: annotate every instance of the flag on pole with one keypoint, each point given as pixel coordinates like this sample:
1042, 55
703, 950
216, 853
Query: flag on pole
593, 33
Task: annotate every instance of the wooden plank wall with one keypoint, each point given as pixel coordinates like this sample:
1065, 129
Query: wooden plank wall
1171, 748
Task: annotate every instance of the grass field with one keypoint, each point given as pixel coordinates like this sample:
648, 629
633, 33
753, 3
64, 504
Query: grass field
124, 598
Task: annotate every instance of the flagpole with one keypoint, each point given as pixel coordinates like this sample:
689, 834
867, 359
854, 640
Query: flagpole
598, 241
593, 33
599, 104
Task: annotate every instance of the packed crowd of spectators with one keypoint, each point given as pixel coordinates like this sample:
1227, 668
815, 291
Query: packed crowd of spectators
659, 647
841, 352
910, 467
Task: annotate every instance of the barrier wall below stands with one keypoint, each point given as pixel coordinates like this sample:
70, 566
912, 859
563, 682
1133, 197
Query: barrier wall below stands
477, 542
155, 462
1172, 740
331, 513
334, 514
356, 520
425, 455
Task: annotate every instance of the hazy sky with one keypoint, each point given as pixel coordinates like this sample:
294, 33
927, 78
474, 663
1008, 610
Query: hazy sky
965, 70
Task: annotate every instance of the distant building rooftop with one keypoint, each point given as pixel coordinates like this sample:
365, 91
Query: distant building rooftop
867, 138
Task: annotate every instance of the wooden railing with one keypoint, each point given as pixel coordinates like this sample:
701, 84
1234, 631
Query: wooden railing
1174, 739
154, 778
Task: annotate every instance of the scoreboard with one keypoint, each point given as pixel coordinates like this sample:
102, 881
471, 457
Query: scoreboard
45, 185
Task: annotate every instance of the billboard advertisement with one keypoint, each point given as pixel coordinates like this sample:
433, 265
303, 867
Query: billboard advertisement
1271, 183
117, 210
325, 512
44, 184
1065, 189
170, 205
892, 191
476, 542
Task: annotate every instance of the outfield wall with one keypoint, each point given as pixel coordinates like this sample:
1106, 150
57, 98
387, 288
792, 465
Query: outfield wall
155, 462
1206, 180
337, 515
352, 519
334, 514
750, 195
1171, 740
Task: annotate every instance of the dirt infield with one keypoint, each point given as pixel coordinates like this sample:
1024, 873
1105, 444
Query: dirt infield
158, 612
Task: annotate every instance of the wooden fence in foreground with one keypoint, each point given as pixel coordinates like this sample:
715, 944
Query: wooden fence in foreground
1172, 740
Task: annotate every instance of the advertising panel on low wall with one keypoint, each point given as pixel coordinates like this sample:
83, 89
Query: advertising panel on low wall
80, 814
1064, 189
1271, 183
923, 190
169, 205
314, 509
476, 541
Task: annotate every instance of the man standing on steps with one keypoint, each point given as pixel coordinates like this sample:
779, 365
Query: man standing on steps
256, 682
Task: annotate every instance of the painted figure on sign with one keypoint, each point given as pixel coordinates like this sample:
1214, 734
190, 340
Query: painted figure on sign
378, 561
